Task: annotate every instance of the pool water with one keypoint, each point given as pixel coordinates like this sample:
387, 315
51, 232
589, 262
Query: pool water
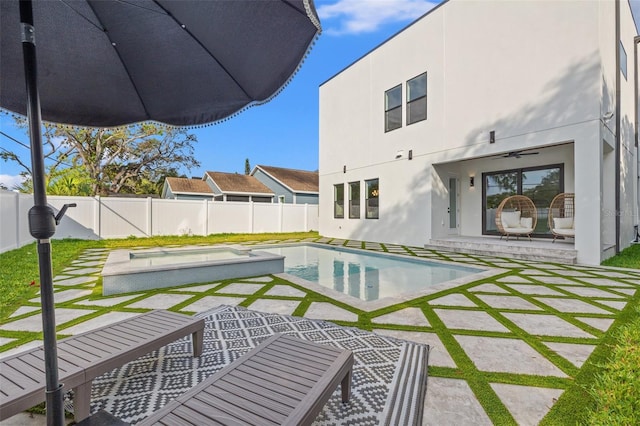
167, 257
366, 276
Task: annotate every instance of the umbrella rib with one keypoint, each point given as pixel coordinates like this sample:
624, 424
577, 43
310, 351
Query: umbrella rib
115, 48
184, 27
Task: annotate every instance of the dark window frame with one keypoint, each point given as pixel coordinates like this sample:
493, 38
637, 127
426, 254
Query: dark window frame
518, 191
336, 202
388, 110
353, 212
367, 199
422, 98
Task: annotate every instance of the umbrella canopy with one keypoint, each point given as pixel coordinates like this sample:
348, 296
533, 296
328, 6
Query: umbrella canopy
108, 63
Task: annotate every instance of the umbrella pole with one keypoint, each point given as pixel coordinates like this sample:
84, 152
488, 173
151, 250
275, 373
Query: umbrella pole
42, 224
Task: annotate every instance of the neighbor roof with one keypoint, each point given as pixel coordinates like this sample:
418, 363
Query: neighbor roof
296, 180
188, 186
237, 183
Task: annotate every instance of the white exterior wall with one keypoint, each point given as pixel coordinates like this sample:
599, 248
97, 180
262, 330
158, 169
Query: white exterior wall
530, 70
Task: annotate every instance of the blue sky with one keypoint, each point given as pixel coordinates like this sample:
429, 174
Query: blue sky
284, 132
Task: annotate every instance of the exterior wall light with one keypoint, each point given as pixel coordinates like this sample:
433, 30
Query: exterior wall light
344, 169
492, 136
472, 181
410, 154
399, 154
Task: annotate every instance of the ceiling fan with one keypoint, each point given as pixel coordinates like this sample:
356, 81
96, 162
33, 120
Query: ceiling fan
517, 154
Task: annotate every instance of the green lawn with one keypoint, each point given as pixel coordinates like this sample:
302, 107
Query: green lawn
604, 392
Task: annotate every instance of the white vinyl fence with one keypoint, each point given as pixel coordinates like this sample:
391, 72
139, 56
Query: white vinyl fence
100, 217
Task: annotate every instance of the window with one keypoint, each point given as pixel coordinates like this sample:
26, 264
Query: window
371, 202
540, 183
417, 99
243, 198
257, 199
393, 108
623, 61
338, 201
354, 200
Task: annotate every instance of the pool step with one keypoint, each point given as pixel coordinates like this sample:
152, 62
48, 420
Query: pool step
522, 249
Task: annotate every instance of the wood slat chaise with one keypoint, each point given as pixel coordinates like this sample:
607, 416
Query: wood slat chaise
83, 357
283, 381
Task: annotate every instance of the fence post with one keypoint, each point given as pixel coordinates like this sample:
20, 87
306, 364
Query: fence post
280, 215
97, 213
17, 198
251, 216
306, 217
206, 217
149, 217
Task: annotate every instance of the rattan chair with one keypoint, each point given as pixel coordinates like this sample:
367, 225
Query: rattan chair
516, 215
561, 216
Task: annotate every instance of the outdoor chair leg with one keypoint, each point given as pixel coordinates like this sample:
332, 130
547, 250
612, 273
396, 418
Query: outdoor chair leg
346, 387
82, 401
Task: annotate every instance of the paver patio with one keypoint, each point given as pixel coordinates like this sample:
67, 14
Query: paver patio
535, 320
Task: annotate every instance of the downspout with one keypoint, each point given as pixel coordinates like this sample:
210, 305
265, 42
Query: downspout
636, 40
617, 162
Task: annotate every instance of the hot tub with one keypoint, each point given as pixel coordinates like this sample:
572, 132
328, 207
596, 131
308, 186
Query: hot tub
135, 270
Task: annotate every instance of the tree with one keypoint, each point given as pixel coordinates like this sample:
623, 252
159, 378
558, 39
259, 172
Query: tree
247, 167
114, 160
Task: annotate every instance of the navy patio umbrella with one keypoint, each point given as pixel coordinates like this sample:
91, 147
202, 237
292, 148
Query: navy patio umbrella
103, 63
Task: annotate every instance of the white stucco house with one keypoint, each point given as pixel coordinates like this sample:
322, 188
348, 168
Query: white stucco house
477, 100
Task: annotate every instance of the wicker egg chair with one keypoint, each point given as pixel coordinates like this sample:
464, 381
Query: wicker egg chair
516, 215
561, 216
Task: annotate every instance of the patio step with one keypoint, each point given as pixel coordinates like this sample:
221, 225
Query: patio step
504, 249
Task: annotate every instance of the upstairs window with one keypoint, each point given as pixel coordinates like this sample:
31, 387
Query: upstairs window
338, 201
354, 200
417, 99
393, 108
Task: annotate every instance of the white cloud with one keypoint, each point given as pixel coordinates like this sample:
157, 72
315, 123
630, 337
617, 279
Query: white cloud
11, 181
364, 16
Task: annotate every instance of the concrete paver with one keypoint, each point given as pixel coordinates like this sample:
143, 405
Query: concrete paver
110, 301
240, 288
599, 323
34, 322
210, 302
285, 290
507, 356
546, 325
160, 301
535, 289
574, 353
407, 316
454, 300
452, 402
527, 404
489, 288
438, 355
469, 320
282, 307
328, 311
100, 321
572, 305
508, 302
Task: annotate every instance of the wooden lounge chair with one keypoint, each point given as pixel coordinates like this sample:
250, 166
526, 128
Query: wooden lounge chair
561, 216
283, 381
83, 357
516, 215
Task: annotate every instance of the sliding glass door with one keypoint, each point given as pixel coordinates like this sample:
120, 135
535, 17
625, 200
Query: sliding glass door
540, 184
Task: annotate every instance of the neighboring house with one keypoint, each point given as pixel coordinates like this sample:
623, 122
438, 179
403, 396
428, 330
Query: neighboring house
236, 187
186, 189
289, 185
478, 100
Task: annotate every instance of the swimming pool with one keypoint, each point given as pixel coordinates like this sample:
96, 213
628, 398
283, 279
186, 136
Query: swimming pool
364, 275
